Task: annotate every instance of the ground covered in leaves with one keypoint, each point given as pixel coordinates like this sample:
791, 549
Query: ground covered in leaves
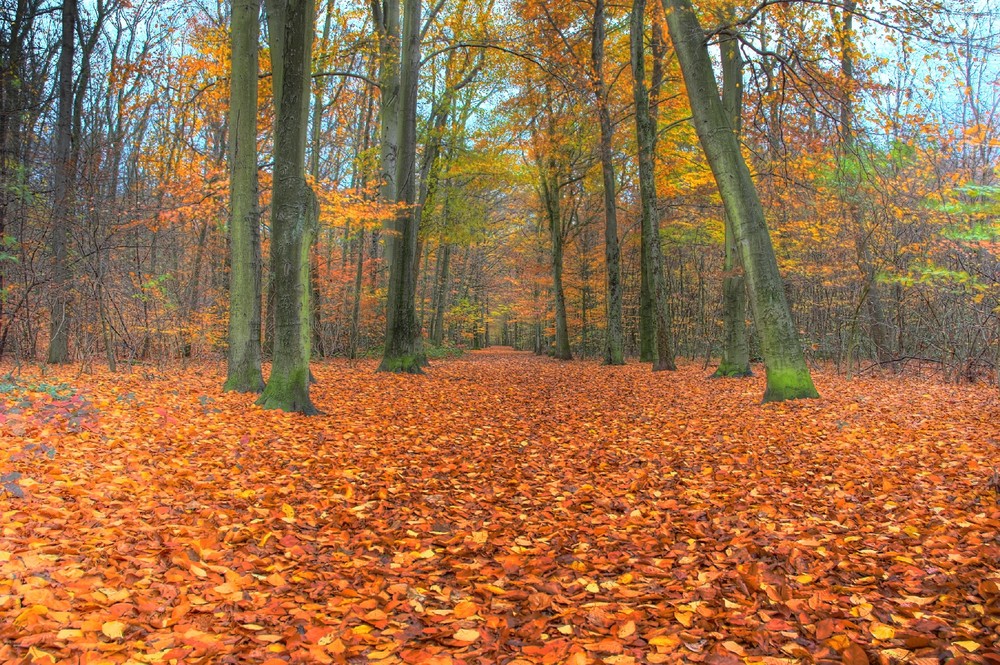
500, 509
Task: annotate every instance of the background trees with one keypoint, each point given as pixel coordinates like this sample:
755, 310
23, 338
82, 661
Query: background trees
874, 154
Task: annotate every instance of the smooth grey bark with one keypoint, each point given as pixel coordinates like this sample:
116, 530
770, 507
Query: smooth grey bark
614, 349
387, 25
787, 374
64, 175
735, 361
645, 130
243, 373
288, 386
403, 351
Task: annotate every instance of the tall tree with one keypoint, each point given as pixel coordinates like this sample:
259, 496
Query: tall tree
386, 14
552, 181
645, 131
403, 346
614, 348
65, 173
787, 374
293, 200
244, 371
735, 359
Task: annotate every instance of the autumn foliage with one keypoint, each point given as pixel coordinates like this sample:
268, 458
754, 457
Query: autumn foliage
503, 508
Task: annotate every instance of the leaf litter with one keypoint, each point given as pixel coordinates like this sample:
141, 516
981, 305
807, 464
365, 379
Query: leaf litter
502, 508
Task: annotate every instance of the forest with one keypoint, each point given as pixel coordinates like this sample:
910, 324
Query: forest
499, 331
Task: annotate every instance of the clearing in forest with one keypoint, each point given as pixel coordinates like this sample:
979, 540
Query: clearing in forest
502, 508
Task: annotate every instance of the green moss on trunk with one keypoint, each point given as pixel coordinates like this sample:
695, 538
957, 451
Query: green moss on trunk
727, 370
405, 364
788, 383
289, 392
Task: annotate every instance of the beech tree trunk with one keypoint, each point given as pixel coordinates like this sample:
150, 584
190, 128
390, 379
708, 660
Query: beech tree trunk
562, 349
288, 386
440, 296
65, 173
735, 359
645, 130
787, 374
614, 349
243, 357
403, 347
386, 14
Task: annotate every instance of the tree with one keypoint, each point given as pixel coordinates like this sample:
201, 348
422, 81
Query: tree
645, 131
244, 371
614, 349
403, 346
787, 374
552, 181
735, 359
288, 386
65, 172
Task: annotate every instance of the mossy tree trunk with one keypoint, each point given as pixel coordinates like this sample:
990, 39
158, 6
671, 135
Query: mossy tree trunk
288, 386
243, 357
787, 374
735, 361
403, 346
645, 131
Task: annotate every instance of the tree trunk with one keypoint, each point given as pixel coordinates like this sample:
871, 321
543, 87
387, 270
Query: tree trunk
288, 386
403, 347
614, 350
787, 374
387, 24
735, 359
356, 304
645, 131
65, 173
441, 297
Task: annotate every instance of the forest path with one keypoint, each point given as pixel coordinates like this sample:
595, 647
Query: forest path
502, 506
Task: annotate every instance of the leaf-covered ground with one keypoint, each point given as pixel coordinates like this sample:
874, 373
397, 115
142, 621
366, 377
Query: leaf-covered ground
501, 509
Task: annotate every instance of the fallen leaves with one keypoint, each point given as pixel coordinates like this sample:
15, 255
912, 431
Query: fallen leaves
502, 508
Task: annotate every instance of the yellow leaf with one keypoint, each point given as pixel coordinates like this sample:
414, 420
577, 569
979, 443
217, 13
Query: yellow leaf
288, 511
565, 630
593, 588
804, 578
664, 641
880, 631
968, 645
466, 635
684, 618
33, 611
113, 629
